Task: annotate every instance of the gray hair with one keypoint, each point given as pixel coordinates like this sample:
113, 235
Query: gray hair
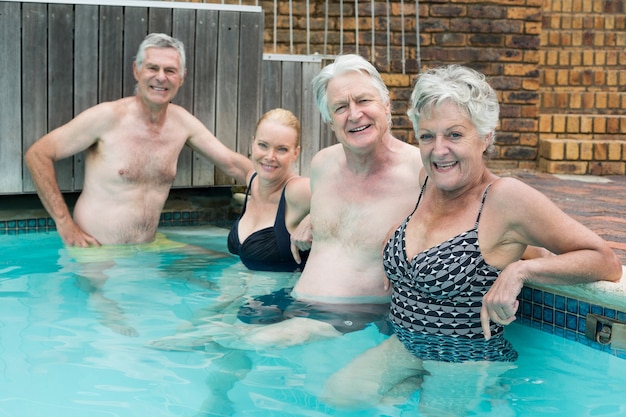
161, 40
343, 64
463, 86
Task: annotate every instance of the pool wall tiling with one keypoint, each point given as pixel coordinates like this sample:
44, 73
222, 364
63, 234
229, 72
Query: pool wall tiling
35, 225
168, 218
539, 308
566, 315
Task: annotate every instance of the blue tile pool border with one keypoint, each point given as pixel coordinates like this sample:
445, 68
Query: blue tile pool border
564, 316
217, 216
553, 313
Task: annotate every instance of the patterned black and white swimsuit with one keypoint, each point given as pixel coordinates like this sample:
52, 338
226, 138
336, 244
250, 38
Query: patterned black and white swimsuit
437, 297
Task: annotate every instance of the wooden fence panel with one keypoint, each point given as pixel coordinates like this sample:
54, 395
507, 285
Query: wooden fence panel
227, 88
61, 80
10, 110
35, 114
184, 29
135, 29
250, 70
88, 51
86, 77
287, 84
271, 86
110, 53
205, 70
160, 20
314, 130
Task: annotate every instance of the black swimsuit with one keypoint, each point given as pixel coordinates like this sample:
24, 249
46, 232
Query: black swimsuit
437, 297
268, 249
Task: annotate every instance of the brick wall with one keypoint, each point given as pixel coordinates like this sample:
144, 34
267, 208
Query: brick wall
558, 66
583, 87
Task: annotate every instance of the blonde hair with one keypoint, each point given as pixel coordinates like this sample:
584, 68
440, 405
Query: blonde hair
284, 117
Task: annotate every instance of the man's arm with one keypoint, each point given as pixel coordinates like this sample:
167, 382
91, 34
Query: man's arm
61, 143
230, 162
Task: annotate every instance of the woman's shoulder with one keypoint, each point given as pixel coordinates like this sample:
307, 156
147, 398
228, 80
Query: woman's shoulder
508, 184
298, 187
514, 193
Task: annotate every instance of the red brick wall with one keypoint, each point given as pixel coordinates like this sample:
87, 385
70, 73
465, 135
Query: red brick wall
583, 87
546, 59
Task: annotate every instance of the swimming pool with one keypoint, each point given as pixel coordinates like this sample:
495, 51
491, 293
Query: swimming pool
75, 347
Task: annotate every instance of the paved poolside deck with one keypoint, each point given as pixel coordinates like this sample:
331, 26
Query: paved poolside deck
597, 202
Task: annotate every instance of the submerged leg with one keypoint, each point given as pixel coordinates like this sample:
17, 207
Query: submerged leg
91, 280
287, 333
231, 368
385, 373
453, 389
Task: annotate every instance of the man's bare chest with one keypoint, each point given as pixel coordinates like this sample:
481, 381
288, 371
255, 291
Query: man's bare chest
137, 159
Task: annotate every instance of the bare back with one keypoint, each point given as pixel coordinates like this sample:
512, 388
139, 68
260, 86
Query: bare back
351, 216
130, 168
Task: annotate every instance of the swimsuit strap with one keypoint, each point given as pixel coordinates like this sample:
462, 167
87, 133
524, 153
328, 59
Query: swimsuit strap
482, 204
283, 237
419, 198
282, 205
245, 201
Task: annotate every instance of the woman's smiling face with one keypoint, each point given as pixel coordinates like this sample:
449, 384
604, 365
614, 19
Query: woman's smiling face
274, 149
451, 148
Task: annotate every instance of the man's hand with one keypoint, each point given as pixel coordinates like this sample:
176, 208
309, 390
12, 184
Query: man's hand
72, 235
302, 238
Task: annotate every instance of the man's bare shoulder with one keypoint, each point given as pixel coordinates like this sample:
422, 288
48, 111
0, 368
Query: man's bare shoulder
109, 109
406, 149
406, 156
185, 119
328, 152
326, 156
94, 122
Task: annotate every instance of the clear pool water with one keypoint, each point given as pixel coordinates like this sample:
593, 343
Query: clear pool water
75, 347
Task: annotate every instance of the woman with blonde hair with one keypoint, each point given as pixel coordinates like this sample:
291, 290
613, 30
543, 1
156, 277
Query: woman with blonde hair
277, 198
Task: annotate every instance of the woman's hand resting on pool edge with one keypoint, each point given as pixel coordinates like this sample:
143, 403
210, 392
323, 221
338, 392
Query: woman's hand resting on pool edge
500, 303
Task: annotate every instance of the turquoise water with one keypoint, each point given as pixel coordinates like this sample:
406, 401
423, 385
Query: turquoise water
71, 346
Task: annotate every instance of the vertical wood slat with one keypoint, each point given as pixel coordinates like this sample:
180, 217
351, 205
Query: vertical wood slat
250, 67
61, 80
135, 30
272, 81
227, 88
85, 72
310, 118
160, 20
10, 108
183, 29
287, 84
205, 73
291, 97
34, 98
110, 53
291, 86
